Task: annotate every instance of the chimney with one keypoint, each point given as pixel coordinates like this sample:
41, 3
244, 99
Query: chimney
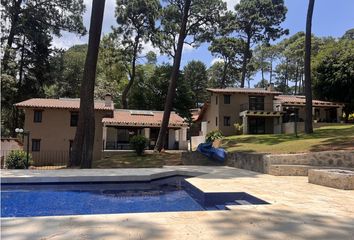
108, 100
270, 87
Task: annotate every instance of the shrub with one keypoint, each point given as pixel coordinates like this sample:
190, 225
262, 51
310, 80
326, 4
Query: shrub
138, 143
17, 159
238, 128
213, 135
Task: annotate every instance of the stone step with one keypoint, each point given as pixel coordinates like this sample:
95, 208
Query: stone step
242, 202
288, 170
296, 170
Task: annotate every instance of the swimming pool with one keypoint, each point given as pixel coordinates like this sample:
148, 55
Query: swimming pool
163, 195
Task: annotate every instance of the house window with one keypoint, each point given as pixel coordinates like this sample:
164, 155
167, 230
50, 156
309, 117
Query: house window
227, 121
74, 117
216, 121
227, 99
256, 103
216, 100
36, 145
37, 117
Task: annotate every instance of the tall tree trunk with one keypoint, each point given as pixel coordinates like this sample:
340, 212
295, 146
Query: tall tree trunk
82, 150
10, 38
296, 78
133, 73
173, 81
300, 84
246, 56
286, 77
308, 87
15, 112
224, 73
271, 72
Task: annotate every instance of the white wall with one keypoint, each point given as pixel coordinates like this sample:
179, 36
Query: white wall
171, 138
196, 140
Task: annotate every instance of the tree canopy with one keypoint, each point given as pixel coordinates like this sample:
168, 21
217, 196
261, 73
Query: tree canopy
333, 72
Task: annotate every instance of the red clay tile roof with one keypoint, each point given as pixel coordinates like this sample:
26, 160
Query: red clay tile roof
300, 100
243, 90
64, 103
141, 118
198, 114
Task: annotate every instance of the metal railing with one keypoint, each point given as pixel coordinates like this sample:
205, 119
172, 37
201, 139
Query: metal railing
42, 160
113, 145
259, 107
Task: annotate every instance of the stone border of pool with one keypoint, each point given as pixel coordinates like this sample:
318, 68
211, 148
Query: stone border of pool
98, 175
297, 210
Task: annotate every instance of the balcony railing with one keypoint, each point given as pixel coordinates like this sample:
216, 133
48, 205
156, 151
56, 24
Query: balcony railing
259, 107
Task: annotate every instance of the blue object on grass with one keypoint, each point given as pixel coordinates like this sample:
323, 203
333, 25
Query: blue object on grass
208, 150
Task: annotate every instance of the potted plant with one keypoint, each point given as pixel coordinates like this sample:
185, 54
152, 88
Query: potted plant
215, 137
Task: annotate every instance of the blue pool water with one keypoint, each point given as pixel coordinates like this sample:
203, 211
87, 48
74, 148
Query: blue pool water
166, 195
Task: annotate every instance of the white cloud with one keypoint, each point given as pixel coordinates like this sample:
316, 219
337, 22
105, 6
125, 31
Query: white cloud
188, 47
147, 47
231, 4
215, 60
69, 39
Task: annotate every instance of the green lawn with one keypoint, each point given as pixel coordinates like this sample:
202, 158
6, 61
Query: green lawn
131, 160
339, 137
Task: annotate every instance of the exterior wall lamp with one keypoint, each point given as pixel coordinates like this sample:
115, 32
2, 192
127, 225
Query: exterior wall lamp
25, 133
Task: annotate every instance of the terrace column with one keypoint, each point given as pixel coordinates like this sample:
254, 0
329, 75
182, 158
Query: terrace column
104, 137
203, 128
313, 113
171, 138
146, 132
245, 124
339, 114
183, 143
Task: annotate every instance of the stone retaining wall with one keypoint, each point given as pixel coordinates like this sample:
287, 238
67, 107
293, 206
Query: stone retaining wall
196, 158
327, 158
265, 163
250, 161
341, 179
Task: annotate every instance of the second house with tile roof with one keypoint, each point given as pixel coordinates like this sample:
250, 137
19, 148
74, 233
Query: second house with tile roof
259, 111
52, 126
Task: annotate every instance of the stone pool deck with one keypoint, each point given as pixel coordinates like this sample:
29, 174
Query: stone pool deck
298, 210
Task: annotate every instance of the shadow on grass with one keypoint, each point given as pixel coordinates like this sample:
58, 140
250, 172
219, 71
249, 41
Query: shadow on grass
338, 143
131, 160
336, 136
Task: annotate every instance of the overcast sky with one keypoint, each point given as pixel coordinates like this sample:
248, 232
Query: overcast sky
330, 18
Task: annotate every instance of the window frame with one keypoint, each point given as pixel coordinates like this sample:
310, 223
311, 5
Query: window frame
227, 98
227, 121
37, 116
73, 113
36, 147
257, 102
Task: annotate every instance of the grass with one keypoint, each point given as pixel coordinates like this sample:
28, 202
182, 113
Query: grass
339, 137
131, 160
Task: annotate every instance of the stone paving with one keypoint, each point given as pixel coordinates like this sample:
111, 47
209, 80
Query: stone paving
298, 210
